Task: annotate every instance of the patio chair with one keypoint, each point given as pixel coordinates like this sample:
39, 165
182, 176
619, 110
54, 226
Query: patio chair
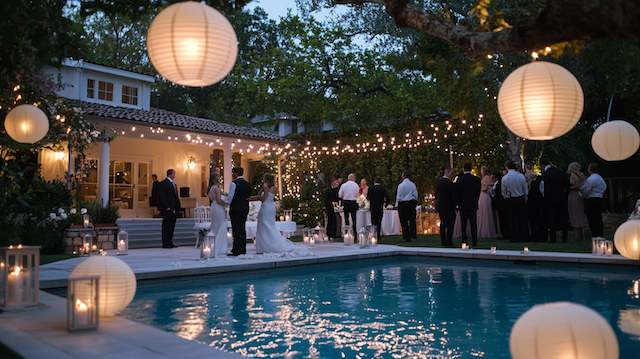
202, 217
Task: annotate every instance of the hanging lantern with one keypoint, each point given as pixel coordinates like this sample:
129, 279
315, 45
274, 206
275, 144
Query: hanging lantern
192, 44
117, 282
540, 101
627, 236
26, 124
562, 330
615, 140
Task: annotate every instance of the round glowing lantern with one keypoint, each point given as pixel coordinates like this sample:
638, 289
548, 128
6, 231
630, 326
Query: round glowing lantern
615, 140
562, 330
192, 44
26, 124
117, 284
627, 236
540, 101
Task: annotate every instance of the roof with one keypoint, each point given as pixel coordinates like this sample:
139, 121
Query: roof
158, 117
118, 71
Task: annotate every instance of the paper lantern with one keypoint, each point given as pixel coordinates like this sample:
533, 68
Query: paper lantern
540, 101
615, 140
192, 44
627, 236
562, 330
26, 124
117, 282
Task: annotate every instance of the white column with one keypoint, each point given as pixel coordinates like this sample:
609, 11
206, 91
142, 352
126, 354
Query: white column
103, 181
228, 164
69, 167
279, 162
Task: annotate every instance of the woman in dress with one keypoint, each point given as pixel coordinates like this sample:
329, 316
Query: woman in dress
268, 238
486, 224
218, 216
577, 218
364, 188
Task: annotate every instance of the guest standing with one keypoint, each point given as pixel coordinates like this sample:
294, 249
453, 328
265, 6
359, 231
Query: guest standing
330, 198
348, 194
514, 190
168, 205
577, 218
364, 188
592, 191
468, 194
529, 174
155, 190
378, 199
239, 192
500, 207
407, 200
446, 207
536, 212
486, 224
555, 189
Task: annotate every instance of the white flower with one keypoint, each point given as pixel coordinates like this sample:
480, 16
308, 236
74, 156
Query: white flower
83, 211
73, 211
60, 210
63, 216
52, 215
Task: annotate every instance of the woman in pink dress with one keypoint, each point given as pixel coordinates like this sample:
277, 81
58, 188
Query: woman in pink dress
486, 224
577, 218
364, 188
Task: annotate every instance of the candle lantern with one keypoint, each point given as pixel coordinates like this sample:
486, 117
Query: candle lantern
595, 245
82, 303
87, 244
206, 249
288, 215
362, 238
86, 220
525, 250
372, 235
306, 235
320, 234
493, 250
347, 235
123, 242
19, 276
312, 239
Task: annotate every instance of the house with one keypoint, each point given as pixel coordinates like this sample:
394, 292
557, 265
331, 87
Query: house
284, 124
149, 141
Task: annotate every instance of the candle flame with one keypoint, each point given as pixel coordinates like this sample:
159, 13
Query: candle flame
16, 271
81, 306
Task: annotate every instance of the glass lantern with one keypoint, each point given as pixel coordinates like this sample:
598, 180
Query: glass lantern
288, 215
82, 303
123, 243
306, 235
372, 235
87, 244
363, 238
320, 234
347, 236
206, 249
86, 220
19, 276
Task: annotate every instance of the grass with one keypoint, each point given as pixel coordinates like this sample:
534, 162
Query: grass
50, 258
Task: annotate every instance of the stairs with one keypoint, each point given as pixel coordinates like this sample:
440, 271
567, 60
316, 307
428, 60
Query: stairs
147, 232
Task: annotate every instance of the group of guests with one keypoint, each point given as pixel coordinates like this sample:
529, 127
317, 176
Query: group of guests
347, 194
520, 206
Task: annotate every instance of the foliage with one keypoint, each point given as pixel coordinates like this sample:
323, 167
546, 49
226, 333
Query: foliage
102, 215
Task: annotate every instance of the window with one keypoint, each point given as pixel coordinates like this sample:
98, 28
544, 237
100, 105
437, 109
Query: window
91, 86
105, 90
129, 95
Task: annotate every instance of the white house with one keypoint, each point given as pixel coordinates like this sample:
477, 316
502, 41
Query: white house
149, 140
284, 124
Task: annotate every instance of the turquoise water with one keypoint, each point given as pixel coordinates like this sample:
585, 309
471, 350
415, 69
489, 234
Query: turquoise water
396, 307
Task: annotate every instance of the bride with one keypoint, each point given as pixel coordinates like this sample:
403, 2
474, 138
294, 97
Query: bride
268, 238
218, 217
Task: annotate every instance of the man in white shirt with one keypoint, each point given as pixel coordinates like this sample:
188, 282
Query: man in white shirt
593, 190
348, 194
514, 190
407, 200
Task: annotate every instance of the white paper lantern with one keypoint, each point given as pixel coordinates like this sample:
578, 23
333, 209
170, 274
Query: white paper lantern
26, 124
615, 140
117, 285
627, 236
192, 44
562, 330
540, 101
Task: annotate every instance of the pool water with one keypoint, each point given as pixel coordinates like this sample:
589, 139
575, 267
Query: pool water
396, 307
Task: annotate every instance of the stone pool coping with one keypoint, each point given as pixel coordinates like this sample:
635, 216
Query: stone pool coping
41, 333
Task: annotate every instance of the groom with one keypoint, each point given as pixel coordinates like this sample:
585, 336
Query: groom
239, 192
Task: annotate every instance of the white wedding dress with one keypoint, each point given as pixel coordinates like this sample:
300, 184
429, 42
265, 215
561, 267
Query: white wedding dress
219, 228
269, 239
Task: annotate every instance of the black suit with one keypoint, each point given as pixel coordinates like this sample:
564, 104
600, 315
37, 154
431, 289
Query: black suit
168, 205
238, 212
155, 189
378, 198
556, 192
331, 196
446, 207
468, 193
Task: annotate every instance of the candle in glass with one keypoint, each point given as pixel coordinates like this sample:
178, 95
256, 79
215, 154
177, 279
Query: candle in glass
287, 218
493, 250
281, 218
121, 247
15, 286
464, 246
206, 251
525, 250
82, 313
312, 241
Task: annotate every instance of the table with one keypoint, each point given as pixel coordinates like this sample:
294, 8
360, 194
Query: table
390, 221
287, 228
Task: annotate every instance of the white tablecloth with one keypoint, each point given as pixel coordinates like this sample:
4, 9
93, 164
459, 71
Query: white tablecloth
287, 228
390, 221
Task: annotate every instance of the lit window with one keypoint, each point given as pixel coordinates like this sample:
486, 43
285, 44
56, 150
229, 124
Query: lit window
91, 86
105, 90
129, 95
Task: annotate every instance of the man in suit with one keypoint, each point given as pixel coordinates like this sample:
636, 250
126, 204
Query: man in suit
378, 199
331, 197
239, 192
446, 207
155, 189
468, 193
555, 192
168, 205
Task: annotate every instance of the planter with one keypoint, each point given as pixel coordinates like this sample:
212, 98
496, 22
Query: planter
73, 238
106, 235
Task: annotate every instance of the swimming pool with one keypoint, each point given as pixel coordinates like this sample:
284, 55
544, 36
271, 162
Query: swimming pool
392, 307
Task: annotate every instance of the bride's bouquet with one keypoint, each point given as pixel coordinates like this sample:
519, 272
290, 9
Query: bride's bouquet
362, 202
224, 197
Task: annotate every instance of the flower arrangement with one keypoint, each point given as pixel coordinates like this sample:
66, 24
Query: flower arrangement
362, 202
